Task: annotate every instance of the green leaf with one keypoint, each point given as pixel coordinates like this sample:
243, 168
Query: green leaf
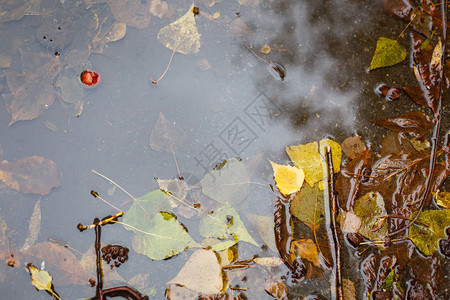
41, 280
228, 183
427, 238
388, 53
157, 232
368, 208
308, 206
307, 157
164, 237
224, 222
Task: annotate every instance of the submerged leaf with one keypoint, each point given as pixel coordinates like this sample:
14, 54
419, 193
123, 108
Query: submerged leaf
201, 273
182, 35
308, 206
166, 136
307, 157
224, 222
228, 183
289, 179
426, 238
388, 53
35, 174
263, 225
307, 249
134, 13
415, 123
34, 227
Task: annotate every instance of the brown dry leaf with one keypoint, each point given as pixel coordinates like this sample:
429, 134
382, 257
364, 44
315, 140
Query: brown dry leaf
353, 146
276, 289
415, 123
60, 261
306, 249
5, 61
166, 136
436, 56
182, 35
31, 93
265, 49
35, 174
349, 222
34, 227
201, 273
416, 94
158, 8
203, 64
240, 28
134, 13
348, 288
268, 261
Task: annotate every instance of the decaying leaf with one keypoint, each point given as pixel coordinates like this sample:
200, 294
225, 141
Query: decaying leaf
201, 273
177, 190
34, 227
348, 288
88, 262
5, 61
225, 222
177, 292
264, 226
426, 238
350, 223
35, 174
265, 49
115, 33
182, 35
166, 136
353, 146
227, 183
308, 206
60, 261
415, 123
158, 8
276, 289
42, 280
289, 179
388, 53
307, 157
369, 208
436, 56
134, 13
70, 87
306, 249
443, 199
268, 261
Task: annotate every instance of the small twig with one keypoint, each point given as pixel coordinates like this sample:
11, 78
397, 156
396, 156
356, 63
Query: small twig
106, 220
236, 288
65, 246
167, 68
333, 225
237, 266
96, 195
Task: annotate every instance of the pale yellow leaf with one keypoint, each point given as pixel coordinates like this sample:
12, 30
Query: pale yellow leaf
443, 199
289, 179
41, 280
268, 261
265, 49
436, 56
116, 33
307, 249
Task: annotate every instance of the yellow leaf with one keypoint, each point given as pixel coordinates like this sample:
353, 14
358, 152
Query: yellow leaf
41, 280
443, 199
307, 157
289, 179
307, 249
436, 57
182, 35
265, 49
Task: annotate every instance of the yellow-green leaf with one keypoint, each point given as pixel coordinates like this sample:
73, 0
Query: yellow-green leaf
388, 53
307, 158
41, 280
427, 238
182, 35
289, 179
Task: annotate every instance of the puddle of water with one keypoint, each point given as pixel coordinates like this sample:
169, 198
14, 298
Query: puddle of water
229, 103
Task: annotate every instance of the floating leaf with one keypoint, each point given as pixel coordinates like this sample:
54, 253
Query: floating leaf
160, 237
201, 273
443, 199
228, 183
35, 174
34, 227
166, 136
306, 249
176, 188
182, 35
224, 222
289, 179
268, 261
426, 238
307, 157
350, 223
415, 123
436, 56
308, 206
42, 280
353, 146
388, 53
276, 288
369, 208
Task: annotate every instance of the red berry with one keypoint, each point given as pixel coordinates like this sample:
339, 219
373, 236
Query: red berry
90, 78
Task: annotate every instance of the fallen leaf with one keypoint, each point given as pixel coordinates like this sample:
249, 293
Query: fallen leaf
42, 280
276, 288
436, 56
71, 90
443, 199
415, 123
176, 292
115, 33
308, 206
60, 261
134, 13
203, 64
166, 136
265, 49
398, 8
160, 236
228, 183
182, 35
249, 2
348, 288
388, 53
34, 227
289, 179
158, 8
35, 174
416, 94
263, 225
89, 264
353, 146
268, 261
177, 190
306, 249
350, 223
427, 238
224, 222
201, 273
307, 158
5, 61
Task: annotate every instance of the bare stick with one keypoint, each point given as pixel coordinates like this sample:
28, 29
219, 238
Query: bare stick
333, 225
